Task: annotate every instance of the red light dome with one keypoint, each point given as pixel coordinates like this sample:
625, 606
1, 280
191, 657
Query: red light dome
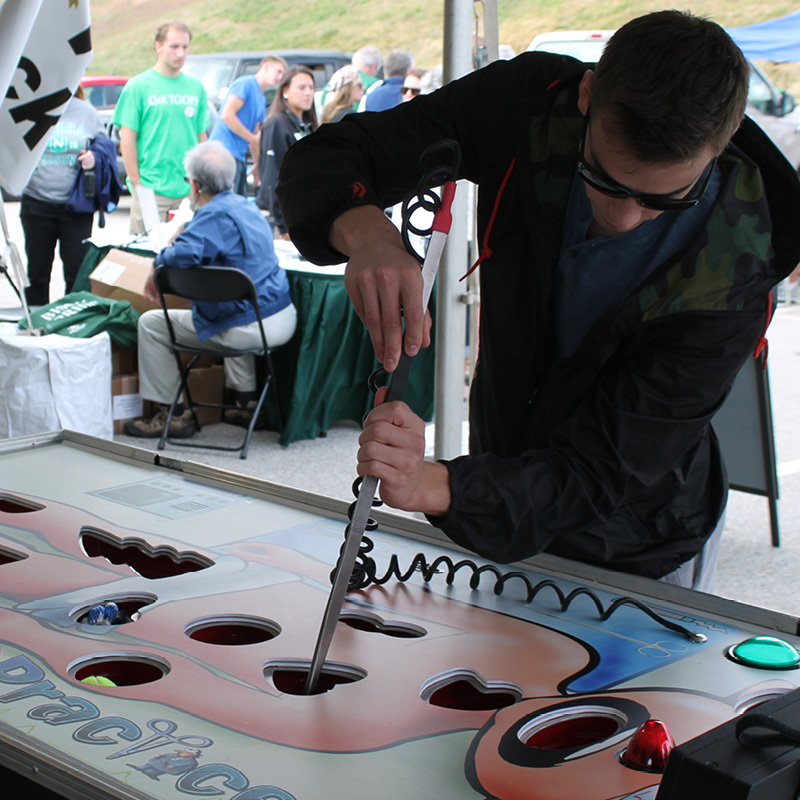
649, 748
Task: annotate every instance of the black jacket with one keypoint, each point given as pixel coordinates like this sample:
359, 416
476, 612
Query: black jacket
606, 456
278, 134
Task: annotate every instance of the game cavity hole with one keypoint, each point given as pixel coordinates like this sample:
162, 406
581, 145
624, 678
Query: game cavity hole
372, 623
751, 701
148, 561
573, 728
16, 505
102, 612
10, 556
290, 677
467, 690
232, 629
119, 669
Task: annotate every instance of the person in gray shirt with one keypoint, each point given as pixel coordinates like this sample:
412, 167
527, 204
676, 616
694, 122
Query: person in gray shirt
43, 210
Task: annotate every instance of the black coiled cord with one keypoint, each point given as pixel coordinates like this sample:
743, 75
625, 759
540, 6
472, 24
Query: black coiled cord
434, 173
364, 568
365, 573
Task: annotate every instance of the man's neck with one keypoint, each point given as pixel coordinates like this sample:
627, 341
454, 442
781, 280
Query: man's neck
595, 230
166, 71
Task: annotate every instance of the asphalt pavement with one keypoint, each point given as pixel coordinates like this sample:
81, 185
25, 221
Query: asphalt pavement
750, 569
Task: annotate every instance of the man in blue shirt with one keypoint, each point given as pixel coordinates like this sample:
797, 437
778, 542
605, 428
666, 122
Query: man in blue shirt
243, 111
389, 93
226, 231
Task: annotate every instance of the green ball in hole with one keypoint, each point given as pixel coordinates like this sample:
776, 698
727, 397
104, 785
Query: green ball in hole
98, 680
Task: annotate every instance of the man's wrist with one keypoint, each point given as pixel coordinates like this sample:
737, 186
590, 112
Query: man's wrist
436, 497
358, 227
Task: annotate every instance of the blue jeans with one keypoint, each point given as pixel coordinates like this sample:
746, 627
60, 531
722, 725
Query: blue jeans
240, 179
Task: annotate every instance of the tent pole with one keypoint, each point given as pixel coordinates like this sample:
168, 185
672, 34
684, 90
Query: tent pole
450, 408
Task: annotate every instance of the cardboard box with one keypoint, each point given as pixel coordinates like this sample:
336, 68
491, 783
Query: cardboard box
207, 385
123, 360
126, 402
122, 275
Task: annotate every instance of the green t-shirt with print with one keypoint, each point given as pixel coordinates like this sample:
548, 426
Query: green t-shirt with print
168, 115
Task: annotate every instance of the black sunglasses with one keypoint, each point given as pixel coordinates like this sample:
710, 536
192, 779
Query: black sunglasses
655, 202
415, 90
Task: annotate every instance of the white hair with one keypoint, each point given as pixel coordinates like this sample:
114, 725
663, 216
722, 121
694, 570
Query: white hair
212, 166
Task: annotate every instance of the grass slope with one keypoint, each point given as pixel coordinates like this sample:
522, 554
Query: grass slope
123, 29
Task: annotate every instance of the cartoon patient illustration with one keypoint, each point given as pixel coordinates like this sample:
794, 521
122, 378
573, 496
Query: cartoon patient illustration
176, 763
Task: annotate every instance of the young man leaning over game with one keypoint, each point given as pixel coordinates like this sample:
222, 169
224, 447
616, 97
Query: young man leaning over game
641, 222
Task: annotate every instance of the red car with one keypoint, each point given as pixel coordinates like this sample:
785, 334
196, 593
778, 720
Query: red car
103, 91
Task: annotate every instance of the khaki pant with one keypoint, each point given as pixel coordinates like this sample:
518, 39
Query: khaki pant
165, 205
158, 373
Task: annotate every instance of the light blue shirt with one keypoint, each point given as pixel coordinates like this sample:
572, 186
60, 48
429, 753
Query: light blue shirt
253, 111
230, 232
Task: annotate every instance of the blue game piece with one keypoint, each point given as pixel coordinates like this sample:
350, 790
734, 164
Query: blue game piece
103, 614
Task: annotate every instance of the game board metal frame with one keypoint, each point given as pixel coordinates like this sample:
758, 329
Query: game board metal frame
413, 716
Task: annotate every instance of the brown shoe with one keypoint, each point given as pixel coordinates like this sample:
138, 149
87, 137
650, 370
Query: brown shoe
181, 427
242, 416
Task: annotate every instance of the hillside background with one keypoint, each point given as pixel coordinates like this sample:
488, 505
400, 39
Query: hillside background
123, 30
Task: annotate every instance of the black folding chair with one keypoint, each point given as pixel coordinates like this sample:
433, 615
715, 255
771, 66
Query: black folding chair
213, 285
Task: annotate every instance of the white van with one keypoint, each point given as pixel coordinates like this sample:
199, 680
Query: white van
773, 109
584, 45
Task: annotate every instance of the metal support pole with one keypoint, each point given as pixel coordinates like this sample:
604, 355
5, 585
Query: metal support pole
491, 30
451, 319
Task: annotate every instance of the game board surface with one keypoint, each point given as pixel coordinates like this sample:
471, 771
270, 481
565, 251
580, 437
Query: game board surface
430, 689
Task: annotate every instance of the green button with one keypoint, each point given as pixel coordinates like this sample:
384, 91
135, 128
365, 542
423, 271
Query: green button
766, 652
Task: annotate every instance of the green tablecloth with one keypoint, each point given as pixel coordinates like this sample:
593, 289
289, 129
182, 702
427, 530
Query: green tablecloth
322, 371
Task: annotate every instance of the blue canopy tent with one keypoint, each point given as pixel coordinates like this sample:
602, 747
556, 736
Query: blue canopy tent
772, 40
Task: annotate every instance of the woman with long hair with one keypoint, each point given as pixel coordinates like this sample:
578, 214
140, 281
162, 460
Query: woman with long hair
345, 92
291, 117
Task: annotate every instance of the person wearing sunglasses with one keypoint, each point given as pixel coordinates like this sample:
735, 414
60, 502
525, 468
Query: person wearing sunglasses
412, 85
632, 224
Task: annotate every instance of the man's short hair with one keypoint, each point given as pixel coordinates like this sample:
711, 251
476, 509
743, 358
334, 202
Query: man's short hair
398, 62
670, 84
212, 166
271, 58
163, 30
367, 56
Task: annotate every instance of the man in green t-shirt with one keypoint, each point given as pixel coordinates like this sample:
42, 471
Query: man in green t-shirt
161, 114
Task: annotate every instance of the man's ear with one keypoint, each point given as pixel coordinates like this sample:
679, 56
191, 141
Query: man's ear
585, 92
